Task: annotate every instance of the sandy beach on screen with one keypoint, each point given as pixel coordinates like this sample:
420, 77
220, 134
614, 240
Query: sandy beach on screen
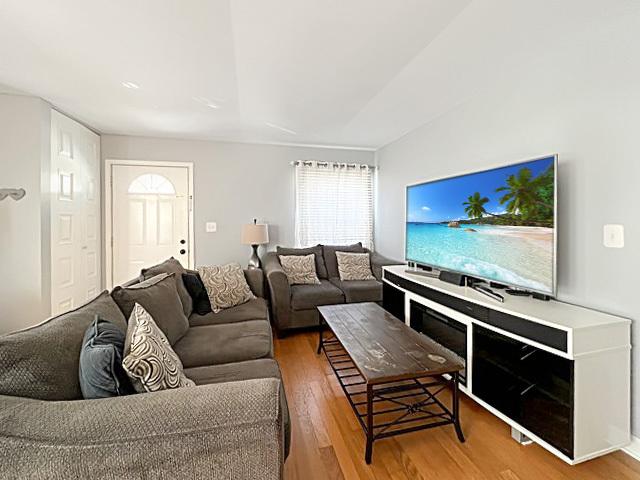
536, 234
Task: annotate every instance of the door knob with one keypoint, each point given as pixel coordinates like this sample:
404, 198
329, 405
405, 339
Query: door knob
182, 251
183, 241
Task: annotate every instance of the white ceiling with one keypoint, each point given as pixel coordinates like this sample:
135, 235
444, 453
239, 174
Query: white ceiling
309, 66
356, 73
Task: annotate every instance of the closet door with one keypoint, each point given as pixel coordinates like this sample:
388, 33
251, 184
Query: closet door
75, 214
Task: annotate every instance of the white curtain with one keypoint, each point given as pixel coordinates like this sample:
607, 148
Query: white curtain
334, 203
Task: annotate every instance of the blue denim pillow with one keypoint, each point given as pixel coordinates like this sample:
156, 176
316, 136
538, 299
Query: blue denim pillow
101, 372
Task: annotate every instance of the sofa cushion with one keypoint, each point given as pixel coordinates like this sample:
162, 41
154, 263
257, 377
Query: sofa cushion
195, 287
299, 269
172, 266
228, 342
101, 373
149, 360
304, 297
234, 372
256, 309
251, 369
226, 285
329, 253
359, 290
42, 362
159, 297
321, 269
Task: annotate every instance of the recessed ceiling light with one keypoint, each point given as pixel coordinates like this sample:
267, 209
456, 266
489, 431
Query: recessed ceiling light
278, 127
205, 101
131, 85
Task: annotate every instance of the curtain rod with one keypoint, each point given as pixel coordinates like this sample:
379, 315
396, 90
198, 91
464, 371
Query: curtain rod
338, 164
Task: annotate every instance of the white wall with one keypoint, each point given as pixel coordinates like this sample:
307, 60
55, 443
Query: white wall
233, 183
24, 156
580, 100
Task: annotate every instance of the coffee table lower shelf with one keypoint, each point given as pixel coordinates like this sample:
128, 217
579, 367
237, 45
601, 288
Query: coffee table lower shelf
391, 408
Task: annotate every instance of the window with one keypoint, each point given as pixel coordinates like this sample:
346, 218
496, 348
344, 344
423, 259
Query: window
334, 203
152, 183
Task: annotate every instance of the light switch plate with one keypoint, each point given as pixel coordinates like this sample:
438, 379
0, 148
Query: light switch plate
613, 236
211, 227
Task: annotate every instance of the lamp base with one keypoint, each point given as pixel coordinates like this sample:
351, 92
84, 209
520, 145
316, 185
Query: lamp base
254, 260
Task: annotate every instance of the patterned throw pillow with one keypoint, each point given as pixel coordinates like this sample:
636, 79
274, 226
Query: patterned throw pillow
354, 266
225, 285
149, 360
300, 269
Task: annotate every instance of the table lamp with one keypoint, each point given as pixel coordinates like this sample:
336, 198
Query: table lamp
255, 234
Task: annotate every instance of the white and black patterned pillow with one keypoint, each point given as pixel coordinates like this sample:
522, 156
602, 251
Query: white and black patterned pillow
149, 360
300, 269
354, 266
225, 285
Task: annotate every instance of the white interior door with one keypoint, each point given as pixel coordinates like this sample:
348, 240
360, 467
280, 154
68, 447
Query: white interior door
149, 218
75, 214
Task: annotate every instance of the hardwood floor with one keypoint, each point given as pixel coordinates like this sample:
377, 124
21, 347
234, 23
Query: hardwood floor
328, 443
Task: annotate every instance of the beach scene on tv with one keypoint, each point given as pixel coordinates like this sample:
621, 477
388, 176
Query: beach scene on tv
497, 224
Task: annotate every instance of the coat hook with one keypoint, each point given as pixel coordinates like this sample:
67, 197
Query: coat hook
15, 193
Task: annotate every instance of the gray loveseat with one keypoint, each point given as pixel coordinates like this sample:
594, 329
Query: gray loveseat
294, 306
234, 424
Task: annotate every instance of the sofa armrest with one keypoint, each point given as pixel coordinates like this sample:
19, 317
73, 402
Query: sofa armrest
225, 430
378, 261
279, 289
255, 279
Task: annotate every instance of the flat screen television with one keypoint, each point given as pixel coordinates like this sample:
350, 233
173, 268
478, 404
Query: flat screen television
496, 225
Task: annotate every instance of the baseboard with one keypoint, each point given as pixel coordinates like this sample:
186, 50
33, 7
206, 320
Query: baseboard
633, 449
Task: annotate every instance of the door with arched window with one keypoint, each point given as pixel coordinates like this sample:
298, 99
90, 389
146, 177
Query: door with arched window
149, 218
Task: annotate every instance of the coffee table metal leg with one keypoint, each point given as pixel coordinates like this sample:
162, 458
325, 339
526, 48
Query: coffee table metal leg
319, 333
369, 450
456, 407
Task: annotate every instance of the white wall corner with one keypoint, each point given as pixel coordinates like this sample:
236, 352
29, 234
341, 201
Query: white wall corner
633, 448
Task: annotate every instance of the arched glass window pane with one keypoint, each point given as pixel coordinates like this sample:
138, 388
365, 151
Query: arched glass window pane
152, 183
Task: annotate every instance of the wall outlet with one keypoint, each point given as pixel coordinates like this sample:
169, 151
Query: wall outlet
211, 227
613, 236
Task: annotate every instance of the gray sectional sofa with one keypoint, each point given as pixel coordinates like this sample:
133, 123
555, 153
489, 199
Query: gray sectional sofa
294, 306
234, 424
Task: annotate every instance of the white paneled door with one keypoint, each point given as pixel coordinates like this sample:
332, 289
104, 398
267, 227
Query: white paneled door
75, 214
150, 219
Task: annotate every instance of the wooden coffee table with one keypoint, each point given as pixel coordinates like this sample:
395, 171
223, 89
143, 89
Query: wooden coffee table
390, 373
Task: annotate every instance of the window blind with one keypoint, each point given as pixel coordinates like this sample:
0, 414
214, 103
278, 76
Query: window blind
334, 203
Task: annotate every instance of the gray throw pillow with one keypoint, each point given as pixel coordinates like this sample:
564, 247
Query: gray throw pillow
159, 297
321, 269
149, 360
101, 373
226, 286
299, 269
354, 266
172, 266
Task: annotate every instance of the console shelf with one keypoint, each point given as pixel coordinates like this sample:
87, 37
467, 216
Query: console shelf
556, 372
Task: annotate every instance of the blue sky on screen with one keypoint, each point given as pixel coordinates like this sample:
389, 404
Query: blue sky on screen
443, 200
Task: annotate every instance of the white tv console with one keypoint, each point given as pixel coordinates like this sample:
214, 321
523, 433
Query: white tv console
556, 372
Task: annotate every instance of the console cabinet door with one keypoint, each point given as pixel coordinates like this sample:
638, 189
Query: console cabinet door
393, 300
529, 385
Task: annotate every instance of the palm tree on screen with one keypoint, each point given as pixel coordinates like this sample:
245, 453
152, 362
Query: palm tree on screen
474, 206
522, 193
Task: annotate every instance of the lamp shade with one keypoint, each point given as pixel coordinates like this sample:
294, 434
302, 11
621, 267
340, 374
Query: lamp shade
255, 234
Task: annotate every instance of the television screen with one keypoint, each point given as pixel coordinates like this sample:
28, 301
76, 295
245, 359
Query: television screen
495, 225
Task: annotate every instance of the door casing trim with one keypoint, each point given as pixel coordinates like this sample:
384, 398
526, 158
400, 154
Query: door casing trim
109, 163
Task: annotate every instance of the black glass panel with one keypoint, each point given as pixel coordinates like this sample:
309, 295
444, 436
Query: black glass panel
529, 385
